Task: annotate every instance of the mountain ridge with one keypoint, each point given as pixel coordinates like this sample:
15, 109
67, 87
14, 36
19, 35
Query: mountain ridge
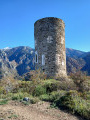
22, 60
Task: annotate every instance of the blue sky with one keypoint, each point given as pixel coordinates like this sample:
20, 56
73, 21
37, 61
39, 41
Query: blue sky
17, 19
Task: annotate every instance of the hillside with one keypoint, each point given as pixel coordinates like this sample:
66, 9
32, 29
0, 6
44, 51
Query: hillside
72, 53
86, 67
7, 67
23, 56
77, 60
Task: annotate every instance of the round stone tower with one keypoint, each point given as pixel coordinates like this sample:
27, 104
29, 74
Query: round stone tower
49, 35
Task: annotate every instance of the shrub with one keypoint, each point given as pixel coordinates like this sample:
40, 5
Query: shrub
54, 85
37, 75
51, 85
52, 96
23, 86
2, 90
39, 90
8, 83
56, 95
45, 97
34, 100
80, 81
12, 116
67, 85
86, 95
72, 101
4, 101
18, 96
15, 97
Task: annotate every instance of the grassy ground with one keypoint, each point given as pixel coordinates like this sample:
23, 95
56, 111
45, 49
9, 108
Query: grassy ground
71, 95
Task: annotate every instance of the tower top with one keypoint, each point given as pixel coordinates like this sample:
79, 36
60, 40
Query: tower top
53, 19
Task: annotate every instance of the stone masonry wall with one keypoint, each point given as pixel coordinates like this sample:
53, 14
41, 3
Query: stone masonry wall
49, 35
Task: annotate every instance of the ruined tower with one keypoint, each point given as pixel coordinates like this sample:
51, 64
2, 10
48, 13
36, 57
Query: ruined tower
49, 35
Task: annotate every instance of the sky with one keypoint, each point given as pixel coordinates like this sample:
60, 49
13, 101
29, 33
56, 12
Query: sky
17, 18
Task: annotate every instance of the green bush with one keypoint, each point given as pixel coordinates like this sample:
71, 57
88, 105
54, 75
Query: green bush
81, 80
34, 100
4, 101
56, 95
67, 85
15, 97
52, 96
88, 95
18, 96
1, 90
12, 116
54, 85
6, 96
22, 86
51, 85
45, 97
72, 101
39, 90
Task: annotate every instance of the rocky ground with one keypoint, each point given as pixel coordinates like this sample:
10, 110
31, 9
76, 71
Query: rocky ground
40, 111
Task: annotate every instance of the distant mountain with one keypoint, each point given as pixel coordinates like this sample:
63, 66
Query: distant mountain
74, 65
21, 60
6, 48
77, 60
74, 53
86, 67
6, 67
23, 56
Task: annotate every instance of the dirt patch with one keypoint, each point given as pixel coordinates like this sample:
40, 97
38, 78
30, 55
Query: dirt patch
40, 111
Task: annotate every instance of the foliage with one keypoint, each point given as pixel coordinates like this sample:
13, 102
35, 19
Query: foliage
22, 86
13, 116
45, 97
4, 101
52, 96
51, 86
81, 81
87, 95
56, 94
55, 85
72, 101
2, 91
18, 96
34, 100
37, 75
7, 84
39, 90
67, 85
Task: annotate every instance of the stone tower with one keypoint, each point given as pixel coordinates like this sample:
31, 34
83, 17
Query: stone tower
49, 35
